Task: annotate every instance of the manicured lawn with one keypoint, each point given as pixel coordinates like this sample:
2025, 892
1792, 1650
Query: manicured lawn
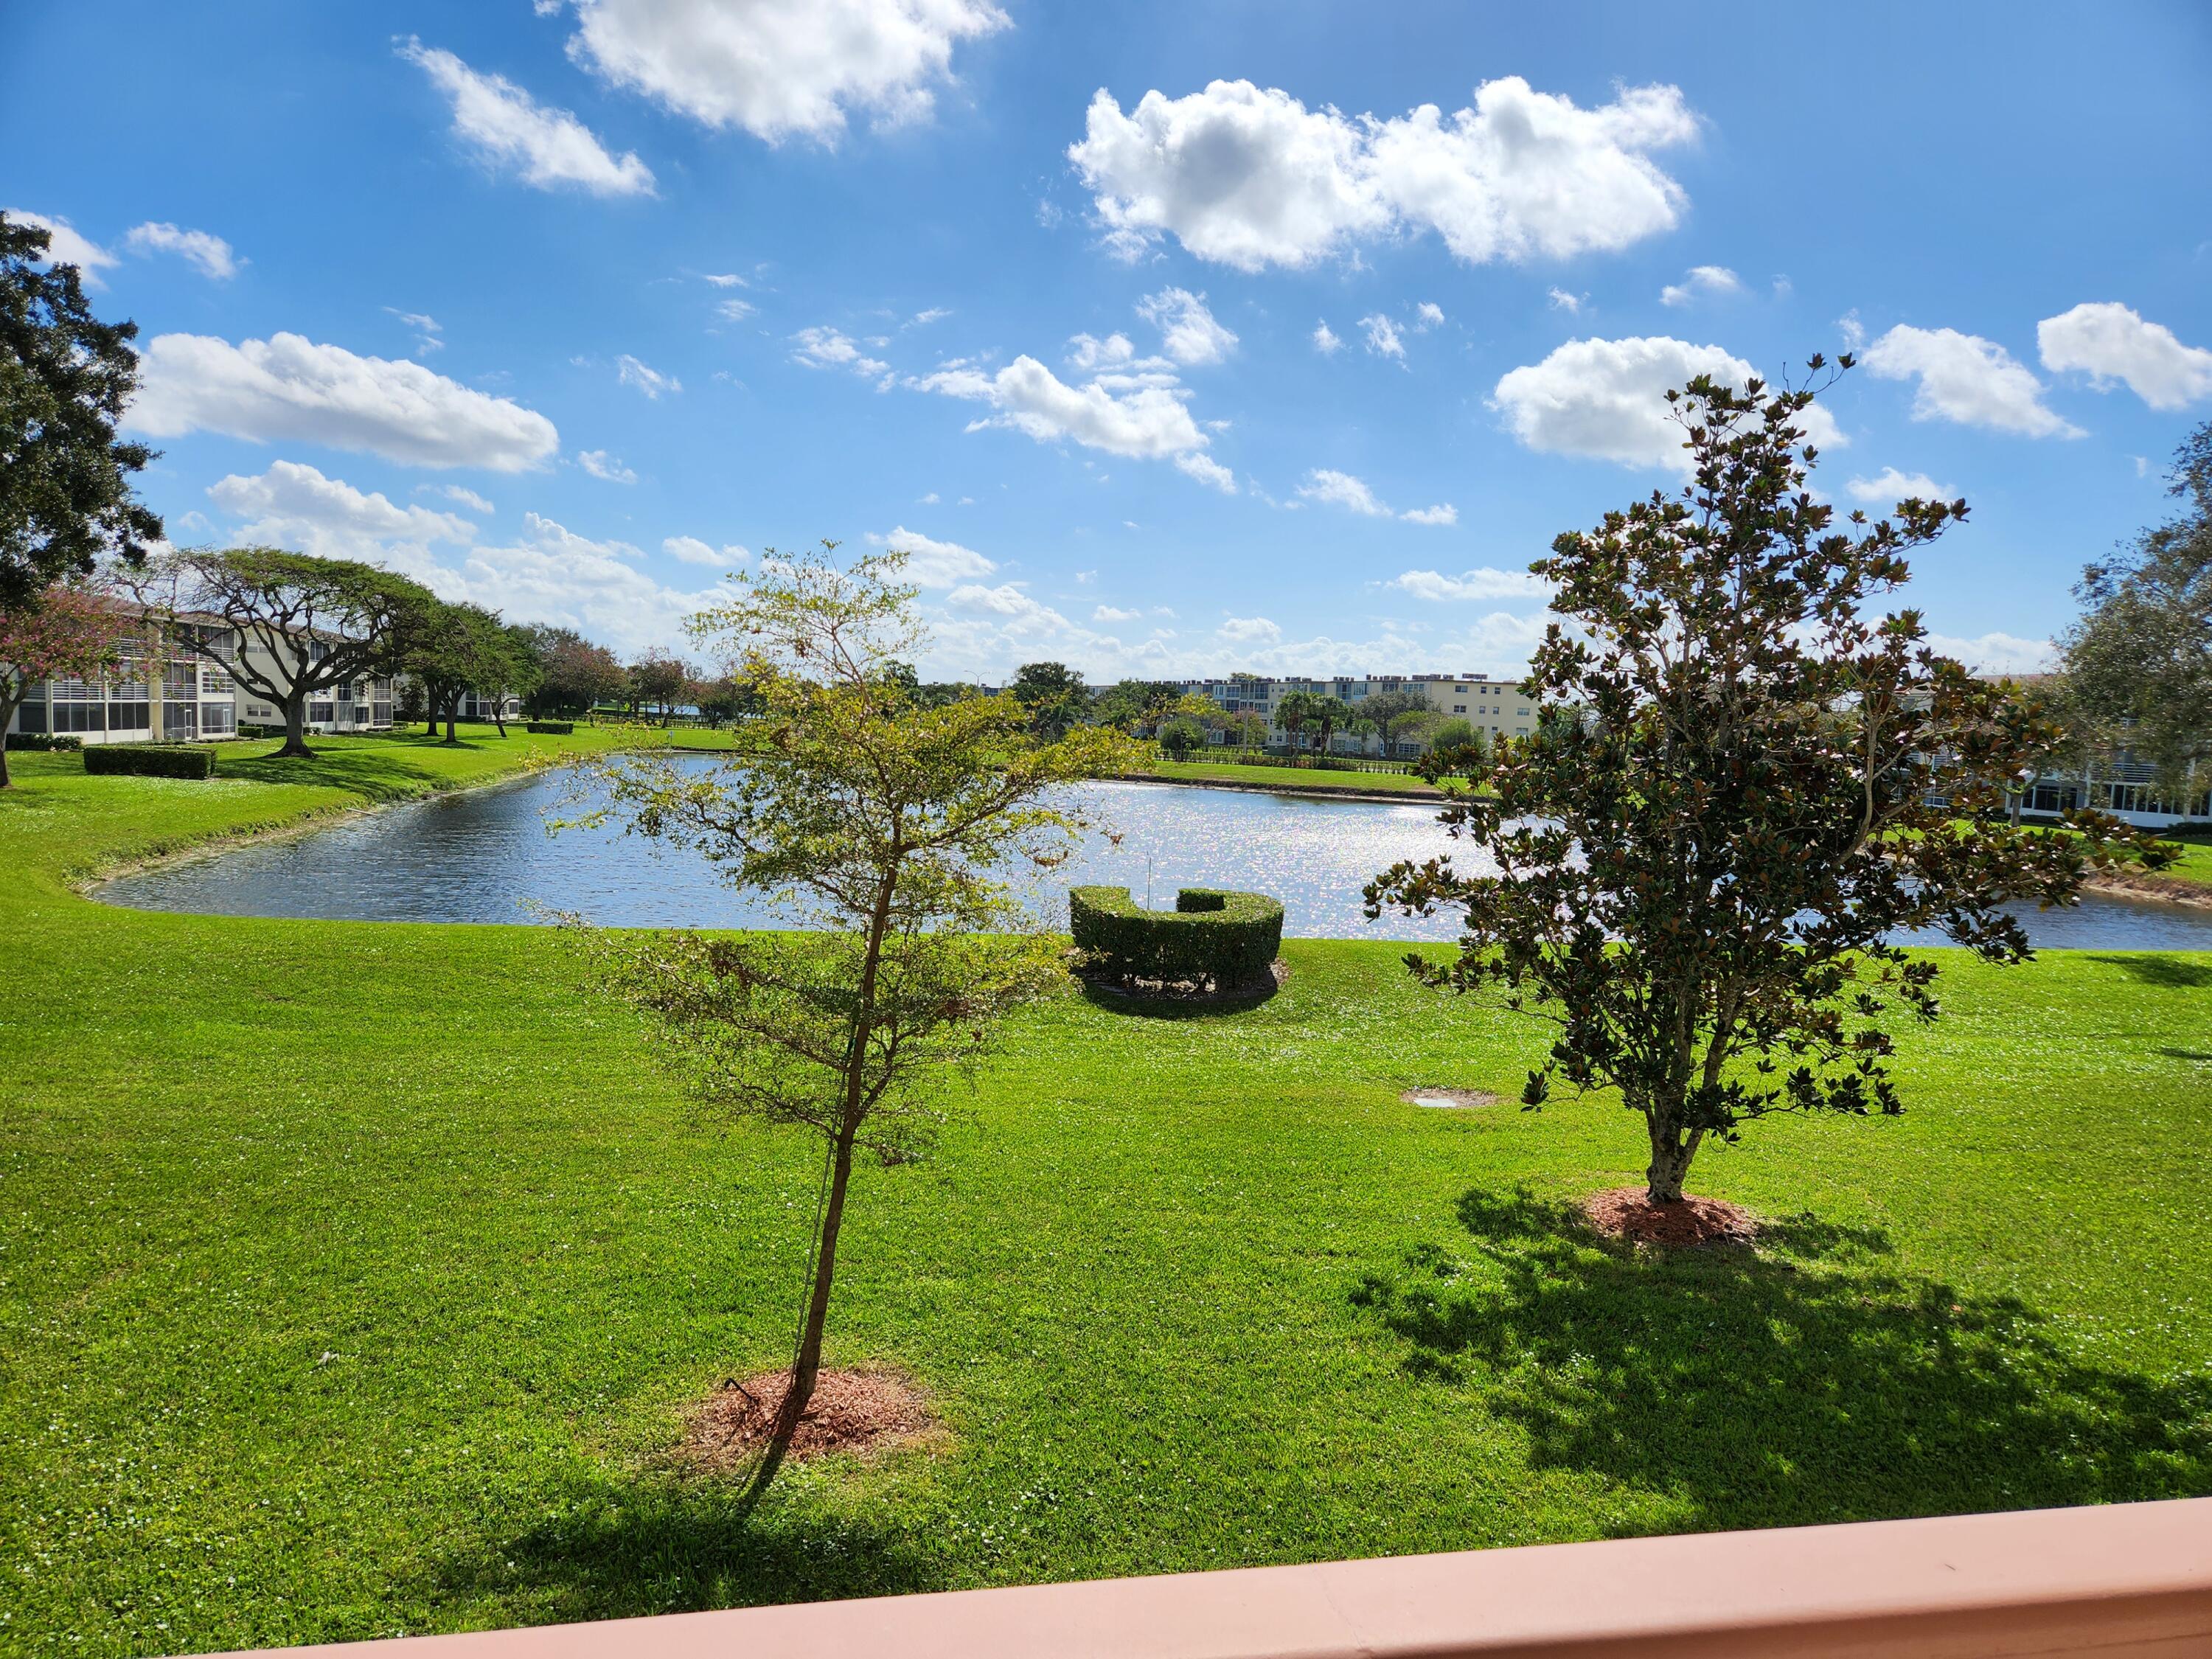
1289, 777
2195, 864
353, 1276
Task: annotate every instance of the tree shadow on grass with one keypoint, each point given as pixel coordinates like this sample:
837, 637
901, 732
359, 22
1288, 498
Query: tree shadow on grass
2162, 971
1801, 1382
668, 1545
380, 774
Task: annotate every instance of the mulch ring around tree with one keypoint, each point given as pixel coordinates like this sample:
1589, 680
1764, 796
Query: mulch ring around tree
851, 1411
1628, 1212
1448, 1099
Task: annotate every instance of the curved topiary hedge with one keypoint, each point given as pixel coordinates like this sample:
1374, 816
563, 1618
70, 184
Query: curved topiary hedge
1227, 941
557, 728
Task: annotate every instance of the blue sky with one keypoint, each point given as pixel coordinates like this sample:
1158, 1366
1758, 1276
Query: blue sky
571, 307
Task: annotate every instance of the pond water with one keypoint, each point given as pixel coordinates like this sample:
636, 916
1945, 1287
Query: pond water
486, 856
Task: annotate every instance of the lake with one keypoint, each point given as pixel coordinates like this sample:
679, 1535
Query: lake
486, 856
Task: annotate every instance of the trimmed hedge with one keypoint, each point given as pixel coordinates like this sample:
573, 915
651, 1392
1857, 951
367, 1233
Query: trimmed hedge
40, 742
1226, 939
554, 728
149, 759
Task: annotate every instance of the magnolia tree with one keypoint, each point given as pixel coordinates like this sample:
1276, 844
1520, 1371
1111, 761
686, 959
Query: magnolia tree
1746, 789
68, 632
887, 829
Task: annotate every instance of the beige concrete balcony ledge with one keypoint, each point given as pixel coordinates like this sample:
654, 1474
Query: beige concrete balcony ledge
2124, 1580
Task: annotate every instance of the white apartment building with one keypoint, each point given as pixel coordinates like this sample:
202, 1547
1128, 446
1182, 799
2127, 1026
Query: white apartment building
160, 693
1491, 705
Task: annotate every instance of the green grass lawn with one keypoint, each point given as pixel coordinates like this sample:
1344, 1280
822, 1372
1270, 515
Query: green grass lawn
1288, 777
2195, 864
353, 1276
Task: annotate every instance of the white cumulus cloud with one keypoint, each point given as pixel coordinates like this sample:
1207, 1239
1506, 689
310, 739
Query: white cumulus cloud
1966, 379
1607, 399
1135, 416
1998, 654
1703, 281
829, 348
1889, 486
288, 388
1108, 613
691, 550
1248, 176
1258, 629
1207, 471
1189, 333
601, 465
209, 254
1486, 583
67, 245
510, 129
934, 564
294, 504
779, 67
1342, 489
2109, 343
1325, 339
1443, 513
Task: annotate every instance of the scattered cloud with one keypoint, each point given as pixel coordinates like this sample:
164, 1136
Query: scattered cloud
1703, 283
934, 564
1383, 336
1325, 339
210, 255
1107, 613
1889, 486
467, 498
1249, 176
1428, 315
1207, 471
1256, 628
66, 246
650, 381
428, 337
734, 310
1607, 398
1342, 489
601, 465
1486, 583
2109, 343
288, 389
1443, 513
513, 132
924, 319
829, 348
1966, 379
1141, 415
1087, 351
725, 279
1563, 300
780, 68
689, 549
1189, 333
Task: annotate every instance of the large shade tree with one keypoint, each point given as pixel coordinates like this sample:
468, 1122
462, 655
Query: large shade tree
576, 675
1755, 786
2139, 662
70, 631
890, 829
65, 495
287, 626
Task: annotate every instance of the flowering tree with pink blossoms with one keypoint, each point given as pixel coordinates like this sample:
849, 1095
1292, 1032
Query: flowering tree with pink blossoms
71, 632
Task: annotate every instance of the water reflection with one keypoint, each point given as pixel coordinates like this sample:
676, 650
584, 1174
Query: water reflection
485, 856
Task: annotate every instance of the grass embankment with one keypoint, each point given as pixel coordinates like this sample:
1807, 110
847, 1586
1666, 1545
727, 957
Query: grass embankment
1286, 778
353, 1278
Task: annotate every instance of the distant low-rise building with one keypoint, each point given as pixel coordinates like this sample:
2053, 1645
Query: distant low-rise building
1490, 704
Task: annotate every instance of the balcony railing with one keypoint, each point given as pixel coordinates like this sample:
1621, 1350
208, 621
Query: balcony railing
2130, 1581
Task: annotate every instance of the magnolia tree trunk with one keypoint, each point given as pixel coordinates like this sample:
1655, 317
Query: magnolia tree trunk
1672, 1149
806, 1365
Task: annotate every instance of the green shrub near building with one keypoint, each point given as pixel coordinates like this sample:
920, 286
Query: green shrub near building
553, 728
41, 742
1225, 939
149, 760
